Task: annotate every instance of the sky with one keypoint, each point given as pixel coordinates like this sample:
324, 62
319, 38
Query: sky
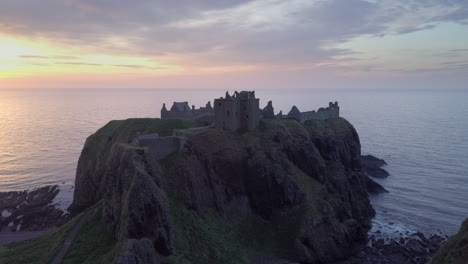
252, 44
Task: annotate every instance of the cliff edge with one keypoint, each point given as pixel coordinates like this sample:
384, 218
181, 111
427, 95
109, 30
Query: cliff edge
455, 250
283, 191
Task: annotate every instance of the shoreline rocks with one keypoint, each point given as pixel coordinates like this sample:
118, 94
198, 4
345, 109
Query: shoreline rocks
415, 248
30, 210
372, 166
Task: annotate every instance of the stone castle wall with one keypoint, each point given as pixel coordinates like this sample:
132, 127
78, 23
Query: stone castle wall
183, 110
332, 111
322, 114
227, 114
162, 147
239, 112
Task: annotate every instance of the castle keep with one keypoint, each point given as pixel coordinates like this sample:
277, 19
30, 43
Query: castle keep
241, 112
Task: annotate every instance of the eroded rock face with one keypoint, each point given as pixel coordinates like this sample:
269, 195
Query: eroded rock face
455, 250
135, 207
272, 168
135, 251
284, 170
373, 166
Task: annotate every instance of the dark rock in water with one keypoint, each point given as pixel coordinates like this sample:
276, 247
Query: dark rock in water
372, 166
369, 160
30, 210
373, 187
418, 249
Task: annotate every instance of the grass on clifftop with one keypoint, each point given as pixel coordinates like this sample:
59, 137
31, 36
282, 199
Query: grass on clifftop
267, 124
39, 250
129, 127
333, 125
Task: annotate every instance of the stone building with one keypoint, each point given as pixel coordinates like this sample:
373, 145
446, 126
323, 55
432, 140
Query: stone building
239, 112
183, 110
268, 111
332, 111
161, 147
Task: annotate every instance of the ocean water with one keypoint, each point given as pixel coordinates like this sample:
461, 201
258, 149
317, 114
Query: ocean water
423, 136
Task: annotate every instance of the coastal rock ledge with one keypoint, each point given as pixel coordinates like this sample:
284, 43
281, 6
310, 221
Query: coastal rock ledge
283, 191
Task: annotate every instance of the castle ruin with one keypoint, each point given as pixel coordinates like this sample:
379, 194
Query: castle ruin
182, 110
332, 111
241, 112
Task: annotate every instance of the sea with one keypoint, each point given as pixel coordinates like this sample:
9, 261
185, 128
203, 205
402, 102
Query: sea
422, 135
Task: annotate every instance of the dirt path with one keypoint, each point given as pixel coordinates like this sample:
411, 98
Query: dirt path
71, 237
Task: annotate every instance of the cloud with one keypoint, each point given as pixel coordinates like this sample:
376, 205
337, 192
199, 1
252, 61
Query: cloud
223, 32
33, 57
47, 57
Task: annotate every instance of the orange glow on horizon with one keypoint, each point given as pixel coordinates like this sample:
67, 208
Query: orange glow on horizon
21, 58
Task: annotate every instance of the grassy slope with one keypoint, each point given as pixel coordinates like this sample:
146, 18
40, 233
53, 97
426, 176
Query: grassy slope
124, 129
39, 250
93, 245
214, 239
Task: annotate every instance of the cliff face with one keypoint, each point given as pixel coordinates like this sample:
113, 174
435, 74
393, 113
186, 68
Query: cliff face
303, 183
455, 250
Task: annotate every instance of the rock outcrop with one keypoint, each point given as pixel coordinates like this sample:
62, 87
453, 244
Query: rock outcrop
303, 181
455, 250
373, 166
30, 210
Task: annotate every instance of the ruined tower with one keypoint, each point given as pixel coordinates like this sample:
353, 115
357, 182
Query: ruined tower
239, 112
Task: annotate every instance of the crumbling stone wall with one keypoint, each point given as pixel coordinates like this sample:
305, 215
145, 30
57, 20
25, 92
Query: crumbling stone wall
162, 147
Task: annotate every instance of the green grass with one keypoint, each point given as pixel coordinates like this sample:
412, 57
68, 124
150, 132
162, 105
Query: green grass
338, 126
204, 240
124, 129
93, 245
39, 250
212, 238
267, 124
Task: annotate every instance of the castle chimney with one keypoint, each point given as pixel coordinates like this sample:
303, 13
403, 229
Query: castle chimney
164, 108
227, 95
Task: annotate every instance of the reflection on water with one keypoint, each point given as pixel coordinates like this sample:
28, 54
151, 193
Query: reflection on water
422, 135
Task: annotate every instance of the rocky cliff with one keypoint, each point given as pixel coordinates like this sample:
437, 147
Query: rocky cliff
285, 190
455, 250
